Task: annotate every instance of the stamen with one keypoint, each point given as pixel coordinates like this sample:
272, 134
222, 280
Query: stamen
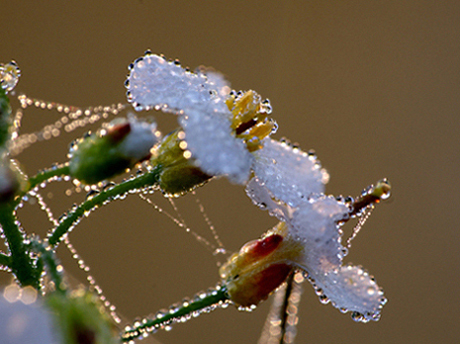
250, 118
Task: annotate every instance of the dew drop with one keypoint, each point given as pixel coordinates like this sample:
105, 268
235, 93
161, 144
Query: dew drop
356, 316
9, 75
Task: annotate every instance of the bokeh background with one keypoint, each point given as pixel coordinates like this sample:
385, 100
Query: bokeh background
372, 86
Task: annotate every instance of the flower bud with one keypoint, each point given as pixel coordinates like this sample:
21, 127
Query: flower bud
178, 172
11, 179
260, 267
110, 151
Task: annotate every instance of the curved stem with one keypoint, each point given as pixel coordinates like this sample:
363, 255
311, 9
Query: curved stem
5, 118
51, 264
5, 260
201, 303
61, 170
55, 171
148, 179
21, 262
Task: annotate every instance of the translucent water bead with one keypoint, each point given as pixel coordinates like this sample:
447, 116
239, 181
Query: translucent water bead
9, 75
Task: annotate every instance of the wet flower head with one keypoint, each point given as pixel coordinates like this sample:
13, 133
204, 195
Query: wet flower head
314, 223
221, 128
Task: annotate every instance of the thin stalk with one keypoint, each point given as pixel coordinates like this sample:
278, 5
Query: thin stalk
375, 194
163, 319
55, 171
147, 179
5, 119
61, 170
21, 262
5, 260
51, 264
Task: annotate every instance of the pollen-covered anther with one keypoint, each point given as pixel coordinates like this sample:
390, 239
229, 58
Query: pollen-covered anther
250, 120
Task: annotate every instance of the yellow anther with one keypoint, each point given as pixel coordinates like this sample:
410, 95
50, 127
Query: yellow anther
250, 118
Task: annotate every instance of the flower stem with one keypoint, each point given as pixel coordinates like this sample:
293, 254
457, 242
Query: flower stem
147, 179
5, 118
204, 302
20, 262
57, 171
51, 264
5, 260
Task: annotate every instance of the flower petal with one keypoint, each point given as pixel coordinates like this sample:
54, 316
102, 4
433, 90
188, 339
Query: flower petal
215, 150
351, 288
288, 173
153, 82
314, 224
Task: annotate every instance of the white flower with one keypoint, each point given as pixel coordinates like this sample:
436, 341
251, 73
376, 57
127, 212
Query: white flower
220, 127
290, 187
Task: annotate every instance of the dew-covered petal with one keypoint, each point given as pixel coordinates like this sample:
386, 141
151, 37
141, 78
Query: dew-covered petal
264, 199
290, 174
216, 80
154, 82
9, 75
215, 150
141, 138
314, 224
351, 289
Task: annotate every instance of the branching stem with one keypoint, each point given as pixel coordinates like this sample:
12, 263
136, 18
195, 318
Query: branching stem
147, 179
20, 262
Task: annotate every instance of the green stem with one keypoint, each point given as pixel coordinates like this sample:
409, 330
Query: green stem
51, 264
5, 260
147, 179
21, 262
199, 305
5, 118
57, 171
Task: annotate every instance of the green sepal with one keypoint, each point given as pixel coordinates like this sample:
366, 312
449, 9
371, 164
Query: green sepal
178, 174
12, 181
95, 158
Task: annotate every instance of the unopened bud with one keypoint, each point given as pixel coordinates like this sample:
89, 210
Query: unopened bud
178, 171
260, 267
112, 150
11, 179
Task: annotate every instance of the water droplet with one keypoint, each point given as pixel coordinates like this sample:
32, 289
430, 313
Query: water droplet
356, 316
9, 75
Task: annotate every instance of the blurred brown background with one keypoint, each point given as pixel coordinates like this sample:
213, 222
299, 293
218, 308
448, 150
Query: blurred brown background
372, 86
